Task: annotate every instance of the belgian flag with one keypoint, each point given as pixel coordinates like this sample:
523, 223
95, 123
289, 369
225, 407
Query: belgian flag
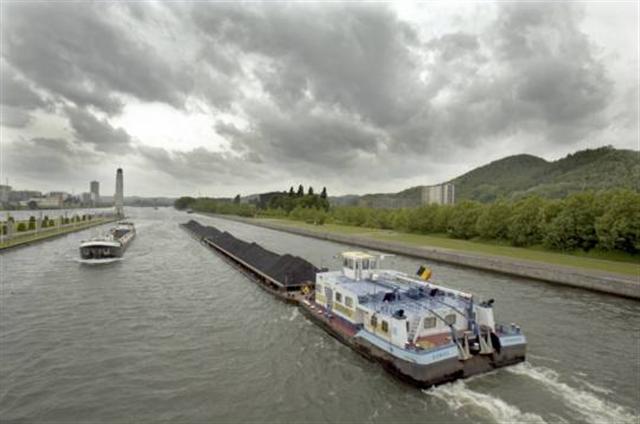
424, 273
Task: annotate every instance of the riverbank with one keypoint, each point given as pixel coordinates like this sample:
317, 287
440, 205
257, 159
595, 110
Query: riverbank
30, 237
626, 283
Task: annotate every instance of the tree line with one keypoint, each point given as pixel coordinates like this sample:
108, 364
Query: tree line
292, 203
606, 220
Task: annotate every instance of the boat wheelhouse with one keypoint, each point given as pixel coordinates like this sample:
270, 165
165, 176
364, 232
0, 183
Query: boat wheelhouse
110, 246
425, 332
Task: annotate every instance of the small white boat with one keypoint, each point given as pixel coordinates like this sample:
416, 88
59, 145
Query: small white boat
110, 247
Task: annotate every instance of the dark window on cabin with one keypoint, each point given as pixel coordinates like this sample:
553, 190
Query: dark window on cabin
338, 297
450, 319
346, 262
385, 326
429, 322
365, 264
348, 302
374, 321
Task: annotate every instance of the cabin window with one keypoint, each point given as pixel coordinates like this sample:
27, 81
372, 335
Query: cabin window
345, 263
374, 321
365, 264
429, 322
385, 326
338, 297
348, 302
450, 319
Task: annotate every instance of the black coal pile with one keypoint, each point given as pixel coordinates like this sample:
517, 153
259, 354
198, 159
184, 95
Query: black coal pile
287, 269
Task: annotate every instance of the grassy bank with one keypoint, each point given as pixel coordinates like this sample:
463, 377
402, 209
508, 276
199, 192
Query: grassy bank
614, 262
51, 232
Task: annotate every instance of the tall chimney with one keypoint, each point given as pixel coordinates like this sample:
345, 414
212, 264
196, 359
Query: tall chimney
119, 197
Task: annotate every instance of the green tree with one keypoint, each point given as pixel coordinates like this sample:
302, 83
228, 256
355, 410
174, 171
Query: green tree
423, 219
300, 191
323, 194
574, 226
21, 227
463, 220
236, 199
492, 222
400, 220
291, 192
619, 225
524, 227
184, 202
310, 192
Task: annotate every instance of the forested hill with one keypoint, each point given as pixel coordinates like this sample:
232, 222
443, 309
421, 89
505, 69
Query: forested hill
519, 175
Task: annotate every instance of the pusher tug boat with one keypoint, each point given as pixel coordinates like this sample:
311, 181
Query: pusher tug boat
425, 333
110, 247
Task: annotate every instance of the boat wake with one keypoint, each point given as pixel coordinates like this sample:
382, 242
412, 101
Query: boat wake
294, 314
590, 406
460, 398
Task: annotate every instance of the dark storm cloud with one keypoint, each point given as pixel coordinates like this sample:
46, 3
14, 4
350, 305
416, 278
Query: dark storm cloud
532, 72
76, 51
201, 165
347, 79
333, 89
313, 137
17, 92
353, 57
104, 137
555, 75
47, 159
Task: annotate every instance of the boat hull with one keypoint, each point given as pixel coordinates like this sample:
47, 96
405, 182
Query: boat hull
105, 250
422, 375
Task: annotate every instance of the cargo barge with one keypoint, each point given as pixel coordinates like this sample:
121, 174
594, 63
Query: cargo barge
110, 247
285, 276
424, 333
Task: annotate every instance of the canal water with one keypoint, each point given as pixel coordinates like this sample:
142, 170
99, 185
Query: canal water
174, 333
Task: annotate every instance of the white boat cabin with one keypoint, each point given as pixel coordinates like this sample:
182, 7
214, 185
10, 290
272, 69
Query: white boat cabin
401, 309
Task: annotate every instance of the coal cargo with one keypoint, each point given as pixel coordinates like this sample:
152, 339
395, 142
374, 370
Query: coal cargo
280, 273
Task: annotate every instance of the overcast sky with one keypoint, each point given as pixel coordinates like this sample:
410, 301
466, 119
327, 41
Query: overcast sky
225, 98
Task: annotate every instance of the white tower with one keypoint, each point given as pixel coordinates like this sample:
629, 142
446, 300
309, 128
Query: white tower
119, 197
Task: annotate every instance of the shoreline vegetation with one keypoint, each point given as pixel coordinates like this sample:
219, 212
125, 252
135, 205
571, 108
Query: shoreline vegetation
597, 231
52, 229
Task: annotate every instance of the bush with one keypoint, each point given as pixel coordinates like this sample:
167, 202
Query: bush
21, 227
184, 202
424, 219
493, 221
574, 225
619, 225
524, 227
463, 219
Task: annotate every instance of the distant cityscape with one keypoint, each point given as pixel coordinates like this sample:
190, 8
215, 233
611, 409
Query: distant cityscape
34, 199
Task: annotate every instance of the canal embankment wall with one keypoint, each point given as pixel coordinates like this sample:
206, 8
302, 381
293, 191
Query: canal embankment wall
599, 281
26, 238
